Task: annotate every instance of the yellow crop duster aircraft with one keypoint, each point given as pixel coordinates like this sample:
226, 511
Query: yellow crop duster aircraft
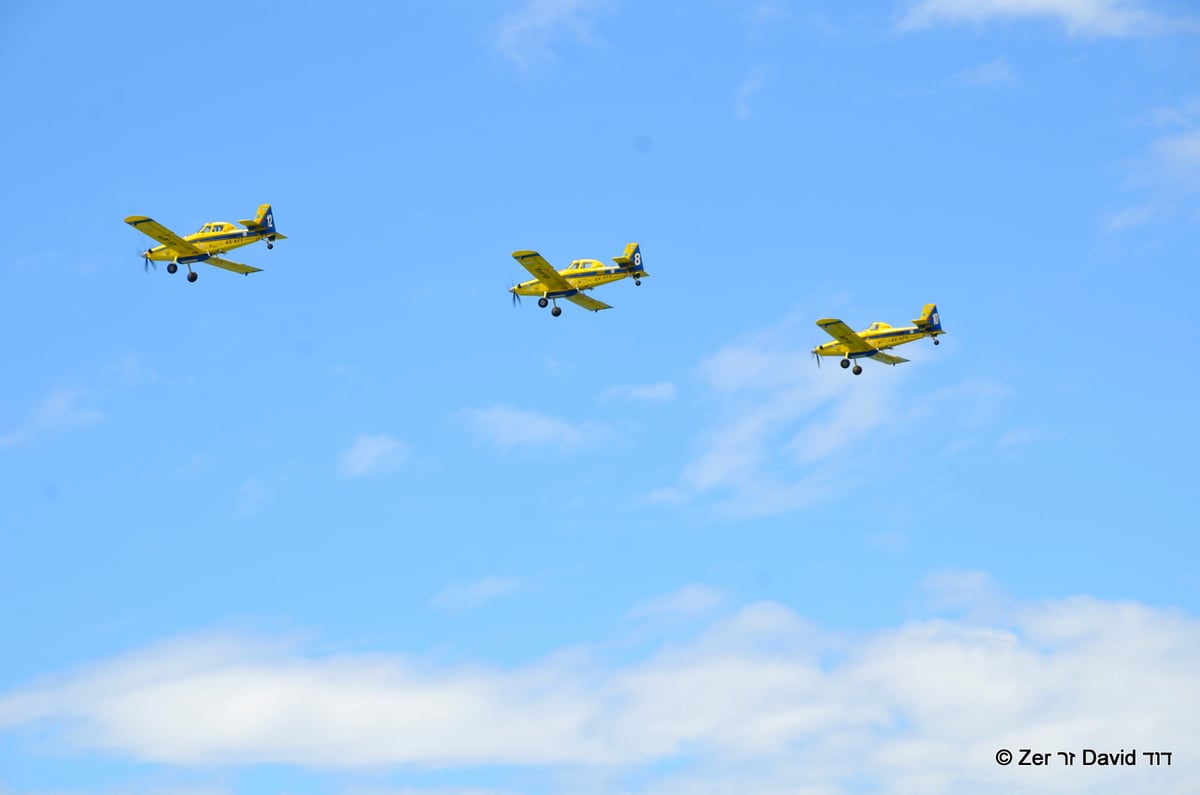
580, 275
873, 341
215, 237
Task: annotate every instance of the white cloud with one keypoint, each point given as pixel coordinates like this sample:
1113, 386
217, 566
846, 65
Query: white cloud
508, 427
1019, 437
1178, 157
252, 495
995, 72
67, 408
660, 392
60, 410
761, 697
778, 418
753, 83
1079, 17
372, 454
691, 601
1128, 218
526, 36
457, 597
973, 592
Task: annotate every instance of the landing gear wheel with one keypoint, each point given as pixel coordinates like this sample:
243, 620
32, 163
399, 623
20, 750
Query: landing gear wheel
172, 268
543, 302
556, 311
857, 369
193, 276
844, 363
270, 245
936, 341
637, 282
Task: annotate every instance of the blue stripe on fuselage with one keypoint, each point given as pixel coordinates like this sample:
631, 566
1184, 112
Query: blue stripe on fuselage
241, 234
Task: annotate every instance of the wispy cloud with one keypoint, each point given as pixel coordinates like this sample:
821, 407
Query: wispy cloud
1099, 18
509, 427
1019, 437
750, 86
458, 597
1167, 172
760, 697
778, 416
60, 410
1177, 158
372, 454
996, 72
527, 35
65, 409
1127, 218
660, 392
252, 495
691, 601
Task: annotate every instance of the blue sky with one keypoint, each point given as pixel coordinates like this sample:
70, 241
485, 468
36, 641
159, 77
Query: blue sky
355, 525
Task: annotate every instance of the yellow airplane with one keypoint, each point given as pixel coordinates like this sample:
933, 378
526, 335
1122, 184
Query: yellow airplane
580, 275
873, 341
214, 238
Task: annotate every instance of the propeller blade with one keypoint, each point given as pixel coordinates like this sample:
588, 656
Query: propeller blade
516, 297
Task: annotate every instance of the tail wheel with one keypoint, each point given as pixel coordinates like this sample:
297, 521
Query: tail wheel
936, 341
637, 282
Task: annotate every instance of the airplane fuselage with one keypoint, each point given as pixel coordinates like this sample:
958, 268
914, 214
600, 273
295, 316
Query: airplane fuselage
881, 336
583, 274
210, 243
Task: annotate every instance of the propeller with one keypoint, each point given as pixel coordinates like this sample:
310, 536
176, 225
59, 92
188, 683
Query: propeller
817, 356
516, 297
146, 261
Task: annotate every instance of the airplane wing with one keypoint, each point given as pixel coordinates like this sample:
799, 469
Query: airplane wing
544, 271
155, 230
236, 267
845, 335
588, 302
887, 358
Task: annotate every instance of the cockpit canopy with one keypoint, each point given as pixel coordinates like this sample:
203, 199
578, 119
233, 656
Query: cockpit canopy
582, 264
215, 226
878, 325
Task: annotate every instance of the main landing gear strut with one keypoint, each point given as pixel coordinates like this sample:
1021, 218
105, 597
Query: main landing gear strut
173, 267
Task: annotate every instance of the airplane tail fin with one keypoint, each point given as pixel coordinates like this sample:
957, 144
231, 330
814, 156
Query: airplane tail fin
263, 222
929, 319
265, 217
632, 258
